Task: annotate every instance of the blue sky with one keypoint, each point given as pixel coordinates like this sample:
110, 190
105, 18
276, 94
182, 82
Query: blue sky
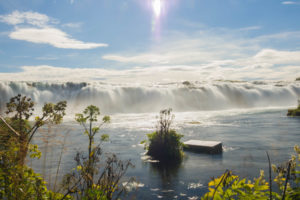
153, 40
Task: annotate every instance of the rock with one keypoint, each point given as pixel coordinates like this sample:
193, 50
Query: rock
211, 147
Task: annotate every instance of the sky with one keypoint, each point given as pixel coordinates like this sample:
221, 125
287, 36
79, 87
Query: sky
149, 40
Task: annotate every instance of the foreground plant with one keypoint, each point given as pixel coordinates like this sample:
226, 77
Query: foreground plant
89, 180
19, 110
230, 186
164, 144
17, 181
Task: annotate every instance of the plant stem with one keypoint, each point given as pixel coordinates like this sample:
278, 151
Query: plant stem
270, 175
287, 179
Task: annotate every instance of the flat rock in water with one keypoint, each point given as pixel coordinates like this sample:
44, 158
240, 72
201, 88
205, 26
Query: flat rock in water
212, 147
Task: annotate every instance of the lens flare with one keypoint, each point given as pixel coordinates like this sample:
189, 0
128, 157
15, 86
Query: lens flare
156, 4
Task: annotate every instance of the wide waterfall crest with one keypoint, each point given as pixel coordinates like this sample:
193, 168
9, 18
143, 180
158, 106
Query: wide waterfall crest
112, 98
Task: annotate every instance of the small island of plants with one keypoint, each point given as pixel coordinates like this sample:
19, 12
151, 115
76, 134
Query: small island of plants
294, 112
164, 144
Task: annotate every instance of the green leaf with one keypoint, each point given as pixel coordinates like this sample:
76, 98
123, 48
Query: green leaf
106, 119
104, 137
143, 142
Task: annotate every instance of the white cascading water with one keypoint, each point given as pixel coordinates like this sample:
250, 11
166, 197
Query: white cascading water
142, 99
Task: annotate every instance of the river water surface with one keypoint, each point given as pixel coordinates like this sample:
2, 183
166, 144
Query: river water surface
246, 136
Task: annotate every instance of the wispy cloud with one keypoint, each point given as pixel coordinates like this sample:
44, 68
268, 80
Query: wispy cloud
39, 28
280, 36
272, 56
267, 64
204, 47
199, 48
32, 18
72, 25
250, 28
218, 54
208, 54
51, 36
47, 57
290, 3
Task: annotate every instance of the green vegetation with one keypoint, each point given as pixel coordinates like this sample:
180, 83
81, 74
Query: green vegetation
164, 144
17, 181
287, 180
298, 79
21, 108
90, 115
88, 180
294, 112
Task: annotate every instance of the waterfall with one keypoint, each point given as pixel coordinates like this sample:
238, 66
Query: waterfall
198, 96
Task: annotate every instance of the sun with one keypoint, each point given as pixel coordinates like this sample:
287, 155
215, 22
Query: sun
156, 5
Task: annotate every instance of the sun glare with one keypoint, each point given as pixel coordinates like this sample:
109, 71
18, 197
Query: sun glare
156, 4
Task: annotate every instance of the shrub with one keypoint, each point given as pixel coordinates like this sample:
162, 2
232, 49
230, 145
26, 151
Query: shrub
20, 109
89, 180
164, 143
230, 186
19, 181
22, 183
294, 112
